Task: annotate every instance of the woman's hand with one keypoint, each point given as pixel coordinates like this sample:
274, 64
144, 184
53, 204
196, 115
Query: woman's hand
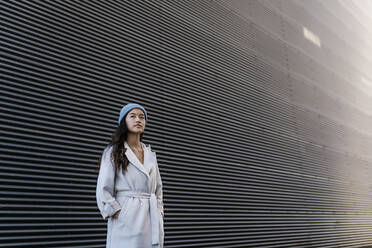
115, 216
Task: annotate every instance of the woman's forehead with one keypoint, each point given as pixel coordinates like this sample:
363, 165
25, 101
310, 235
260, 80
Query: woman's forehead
136, 110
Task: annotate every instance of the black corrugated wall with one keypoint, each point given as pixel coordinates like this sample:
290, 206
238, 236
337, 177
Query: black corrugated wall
260, 113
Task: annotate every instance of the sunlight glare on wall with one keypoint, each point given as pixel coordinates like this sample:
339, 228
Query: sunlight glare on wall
366, 85
311, 36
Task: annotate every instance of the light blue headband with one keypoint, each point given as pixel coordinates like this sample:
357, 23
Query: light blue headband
128, 108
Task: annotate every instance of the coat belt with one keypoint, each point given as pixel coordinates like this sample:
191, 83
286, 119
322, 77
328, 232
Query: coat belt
154, 213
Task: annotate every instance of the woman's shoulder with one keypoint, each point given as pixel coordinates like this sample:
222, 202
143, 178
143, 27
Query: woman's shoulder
107, 150
148, 147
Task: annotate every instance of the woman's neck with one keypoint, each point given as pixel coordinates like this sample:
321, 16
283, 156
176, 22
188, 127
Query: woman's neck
134, 141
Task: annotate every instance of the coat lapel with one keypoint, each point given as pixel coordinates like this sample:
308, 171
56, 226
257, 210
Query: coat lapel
149, 159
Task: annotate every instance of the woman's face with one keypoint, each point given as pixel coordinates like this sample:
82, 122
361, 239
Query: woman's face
135, 121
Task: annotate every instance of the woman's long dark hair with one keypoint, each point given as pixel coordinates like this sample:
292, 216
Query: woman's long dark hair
118, 137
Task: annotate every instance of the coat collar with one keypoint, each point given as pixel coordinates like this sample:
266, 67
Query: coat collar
149, 158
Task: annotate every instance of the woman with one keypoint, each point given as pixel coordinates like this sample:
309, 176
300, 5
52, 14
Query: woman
129, 187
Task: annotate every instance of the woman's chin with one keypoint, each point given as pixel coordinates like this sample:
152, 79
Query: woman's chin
137, 131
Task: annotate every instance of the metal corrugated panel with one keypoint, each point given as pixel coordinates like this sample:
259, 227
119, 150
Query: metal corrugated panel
260, 143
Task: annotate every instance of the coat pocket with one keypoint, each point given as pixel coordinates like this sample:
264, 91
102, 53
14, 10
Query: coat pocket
124, 210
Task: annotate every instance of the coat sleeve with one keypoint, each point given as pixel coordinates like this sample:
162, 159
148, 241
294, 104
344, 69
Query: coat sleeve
159, 190
106, 202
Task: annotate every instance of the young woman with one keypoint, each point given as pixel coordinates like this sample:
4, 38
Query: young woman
129, 187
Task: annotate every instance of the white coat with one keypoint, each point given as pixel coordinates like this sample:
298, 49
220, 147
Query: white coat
138, 193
